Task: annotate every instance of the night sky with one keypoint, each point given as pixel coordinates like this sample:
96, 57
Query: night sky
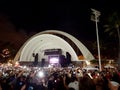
70, 16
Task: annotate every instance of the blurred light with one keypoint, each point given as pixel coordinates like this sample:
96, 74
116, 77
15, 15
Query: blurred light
54, 59
16, 63
40, 74
87, 62
24, 67
50, 65
9, 64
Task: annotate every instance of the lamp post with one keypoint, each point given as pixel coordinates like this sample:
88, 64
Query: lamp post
95, 18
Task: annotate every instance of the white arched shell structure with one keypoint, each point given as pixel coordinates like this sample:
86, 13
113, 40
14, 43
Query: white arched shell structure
45, 40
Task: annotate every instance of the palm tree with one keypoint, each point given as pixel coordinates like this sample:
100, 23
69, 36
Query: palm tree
113, 28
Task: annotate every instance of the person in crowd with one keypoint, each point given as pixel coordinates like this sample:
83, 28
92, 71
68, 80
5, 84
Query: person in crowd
12, 78
86, 83
73, 84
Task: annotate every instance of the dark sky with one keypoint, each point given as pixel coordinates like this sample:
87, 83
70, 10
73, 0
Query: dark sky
70, 16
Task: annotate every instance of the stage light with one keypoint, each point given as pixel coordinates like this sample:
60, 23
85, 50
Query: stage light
54, 59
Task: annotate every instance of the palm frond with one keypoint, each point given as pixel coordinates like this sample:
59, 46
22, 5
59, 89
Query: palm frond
106, 25
111, 33
107, 30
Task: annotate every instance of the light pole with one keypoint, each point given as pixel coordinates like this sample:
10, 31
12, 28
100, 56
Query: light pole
95, 18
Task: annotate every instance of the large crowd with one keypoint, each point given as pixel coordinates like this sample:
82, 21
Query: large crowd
58, 78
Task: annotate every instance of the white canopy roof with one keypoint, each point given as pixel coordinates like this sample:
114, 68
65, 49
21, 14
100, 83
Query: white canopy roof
46, 40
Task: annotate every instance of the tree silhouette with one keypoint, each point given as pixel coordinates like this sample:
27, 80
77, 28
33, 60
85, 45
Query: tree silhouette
7, 51
112, 27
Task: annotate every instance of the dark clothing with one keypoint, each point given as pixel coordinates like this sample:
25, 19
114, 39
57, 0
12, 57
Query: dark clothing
19, 83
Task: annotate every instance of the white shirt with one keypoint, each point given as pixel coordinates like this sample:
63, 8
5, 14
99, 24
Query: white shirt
74, 85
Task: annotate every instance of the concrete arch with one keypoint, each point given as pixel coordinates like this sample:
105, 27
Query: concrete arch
45, 40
